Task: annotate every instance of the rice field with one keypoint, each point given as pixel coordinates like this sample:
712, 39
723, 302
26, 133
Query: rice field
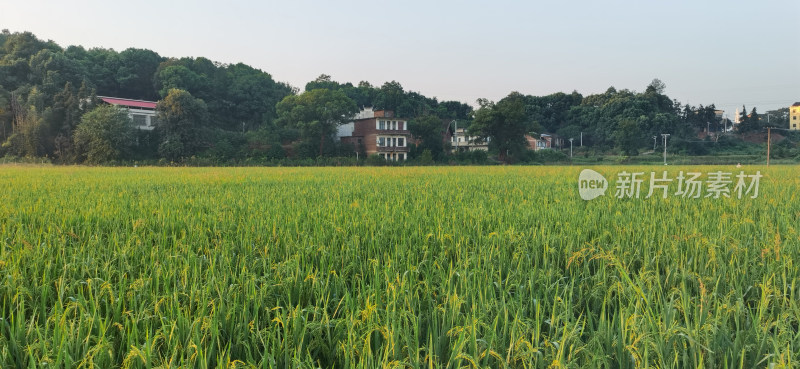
391, 267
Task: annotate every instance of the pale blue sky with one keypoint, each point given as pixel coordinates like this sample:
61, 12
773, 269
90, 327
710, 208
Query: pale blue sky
724, 52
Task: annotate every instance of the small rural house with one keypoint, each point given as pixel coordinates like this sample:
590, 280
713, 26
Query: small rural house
143, 113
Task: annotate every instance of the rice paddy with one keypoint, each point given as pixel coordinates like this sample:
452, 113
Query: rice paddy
391, 267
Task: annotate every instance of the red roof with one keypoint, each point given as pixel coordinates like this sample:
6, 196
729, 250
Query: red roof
128, 102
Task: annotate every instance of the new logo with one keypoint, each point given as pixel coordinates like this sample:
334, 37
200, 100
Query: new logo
591, 184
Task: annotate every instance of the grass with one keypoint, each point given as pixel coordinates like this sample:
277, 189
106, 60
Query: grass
390, 267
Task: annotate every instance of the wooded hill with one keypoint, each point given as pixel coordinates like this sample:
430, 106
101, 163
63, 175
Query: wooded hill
234, 112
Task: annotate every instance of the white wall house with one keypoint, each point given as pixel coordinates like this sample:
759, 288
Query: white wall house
143, 113
462, 141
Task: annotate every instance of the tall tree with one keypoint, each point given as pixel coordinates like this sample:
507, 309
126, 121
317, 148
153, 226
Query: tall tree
749, 122
628, 136
316, 113
503, 124
656, 86
181, 117
252, 95
755, 118
390, 96
104, 134
180, 77
28, 130
135, 74
428, 130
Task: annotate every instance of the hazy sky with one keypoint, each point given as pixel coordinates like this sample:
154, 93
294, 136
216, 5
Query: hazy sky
728, 53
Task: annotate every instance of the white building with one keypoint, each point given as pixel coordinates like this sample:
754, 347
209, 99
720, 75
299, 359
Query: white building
461, 141
143, 113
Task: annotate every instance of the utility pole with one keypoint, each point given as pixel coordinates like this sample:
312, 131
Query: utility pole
581, 139
665, 135
768, 141
654, 143
455, 133
570, 147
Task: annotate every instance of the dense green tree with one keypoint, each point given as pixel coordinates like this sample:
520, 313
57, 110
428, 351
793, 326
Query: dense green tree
104, 134
52, 70
656, 86
324, 81
179, 77
63, 116
778, 118
316, 113
503, 123
101, 66
628, 136
390, 96
181, 120
363, 94
550, 113
754, 117
6, 115
135, 74
252, 96
455, 110
429, 130
28, 132
742, 117
749, 122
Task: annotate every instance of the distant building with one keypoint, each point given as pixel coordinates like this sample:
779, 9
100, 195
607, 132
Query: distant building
460, 141
143, 113
543, 142
378, 132
794, 116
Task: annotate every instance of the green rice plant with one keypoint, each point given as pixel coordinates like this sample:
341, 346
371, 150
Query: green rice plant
391, 267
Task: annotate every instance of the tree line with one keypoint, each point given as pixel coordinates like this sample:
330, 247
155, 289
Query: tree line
230, 112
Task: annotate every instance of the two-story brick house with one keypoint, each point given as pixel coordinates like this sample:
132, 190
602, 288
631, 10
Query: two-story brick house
378, 132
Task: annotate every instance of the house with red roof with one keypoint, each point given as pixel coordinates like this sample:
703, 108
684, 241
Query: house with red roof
143, 113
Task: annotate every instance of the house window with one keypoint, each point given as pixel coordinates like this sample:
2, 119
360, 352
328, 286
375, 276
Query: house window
400, 125
139, 120
401, 142
381, 124
381, 141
